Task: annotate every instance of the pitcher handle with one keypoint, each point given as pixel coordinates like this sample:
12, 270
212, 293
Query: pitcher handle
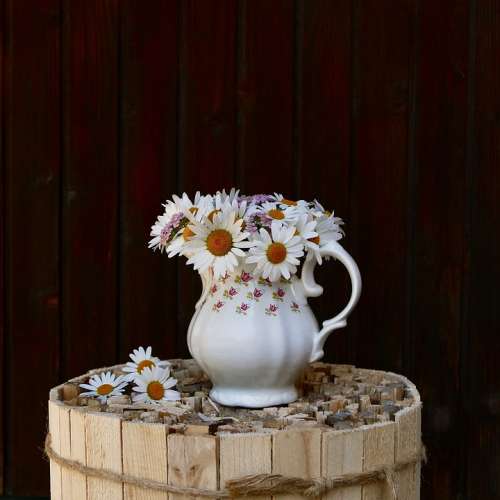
312, 289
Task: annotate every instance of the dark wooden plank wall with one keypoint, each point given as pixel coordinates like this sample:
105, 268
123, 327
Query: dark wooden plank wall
388, 111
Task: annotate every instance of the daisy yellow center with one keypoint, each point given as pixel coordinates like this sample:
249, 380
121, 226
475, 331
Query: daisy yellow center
193, 210
104, 389
274, 213
187, 233
276, 253
145, 363
315, 239
156, 390
219, 242
290, 203
212, 214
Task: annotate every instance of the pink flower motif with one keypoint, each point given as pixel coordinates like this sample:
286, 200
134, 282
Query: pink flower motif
271, 310
245, 277
213, 289
218, 306
295, 307
257, 293
233, 292
280, 292
243, 308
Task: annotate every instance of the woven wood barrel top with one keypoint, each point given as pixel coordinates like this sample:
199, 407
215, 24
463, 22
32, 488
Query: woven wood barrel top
347, 420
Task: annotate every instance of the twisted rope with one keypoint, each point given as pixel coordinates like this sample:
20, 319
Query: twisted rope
253, 484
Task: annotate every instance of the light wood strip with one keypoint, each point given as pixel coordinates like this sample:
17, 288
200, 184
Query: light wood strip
55, 470
297, 453
342, 453
65, 437
408, 441
145, 456
192, 461
78, 481
103, 451
378, 451
242, 454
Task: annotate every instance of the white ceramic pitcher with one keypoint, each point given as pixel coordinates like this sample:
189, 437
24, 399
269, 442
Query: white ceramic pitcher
253, 338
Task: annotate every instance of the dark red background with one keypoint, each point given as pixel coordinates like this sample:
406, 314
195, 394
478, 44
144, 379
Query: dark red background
388, 111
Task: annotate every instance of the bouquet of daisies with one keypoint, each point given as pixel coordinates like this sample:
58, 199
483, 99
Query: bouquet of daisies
223, 231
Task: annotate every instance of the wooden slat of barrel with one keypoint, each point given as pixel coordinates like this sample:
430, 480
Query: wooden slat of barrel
192, 461
65, 437
55, 470
144, 455
408, 441
78, 452
378, 451
104, 451
342, 453
297, 453
242, 454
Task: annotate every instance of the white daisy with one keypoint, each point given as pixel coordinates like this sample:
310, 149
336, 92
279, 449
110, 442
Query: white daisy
221, 197
166, 226
305, 228
277, 254
327, 229
217, 244
275, 211
104, 385
154, 386
285, 201
141, 359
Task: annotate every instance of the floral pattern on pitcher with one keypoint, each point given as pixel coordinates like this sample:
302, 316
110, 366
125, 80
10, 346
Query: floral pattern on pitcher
254, 290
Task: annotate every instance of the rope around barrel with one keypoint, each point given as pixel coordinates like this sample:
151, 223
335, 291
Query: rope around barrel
253, 484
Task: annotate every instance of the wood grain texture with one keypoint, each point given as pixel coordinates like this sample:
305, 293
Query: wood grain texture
148, 152
145, 456
90, 203
55, 470
78, 452
378, 451
379, 191
103, 443
342, 453
408, 440
65, 450
242, 454
323, 118
192, 461
440, 245
265, 96
481, 396
33, 168
297, 454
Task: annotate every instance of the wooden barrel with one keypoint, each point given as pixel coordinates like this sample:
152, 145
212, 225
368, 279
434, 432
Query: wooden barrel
347, 421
